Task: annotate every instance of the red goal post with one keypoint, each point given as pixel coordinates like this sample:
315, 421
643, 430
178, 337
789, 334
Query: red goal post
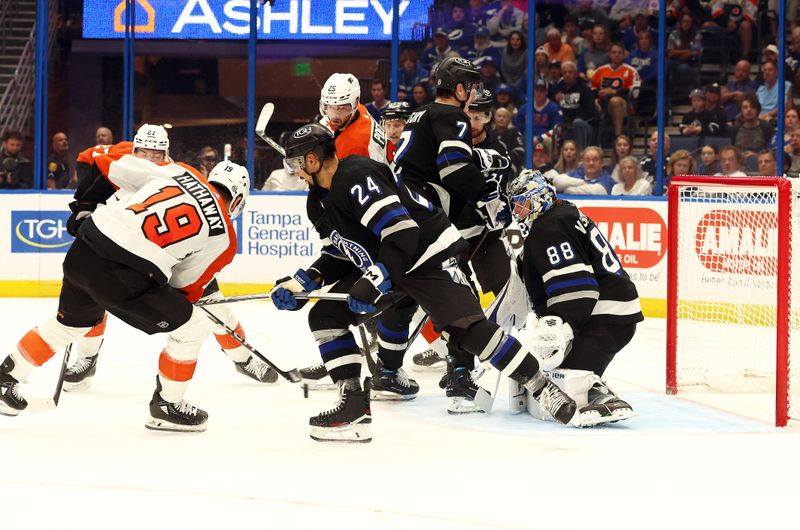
731, 312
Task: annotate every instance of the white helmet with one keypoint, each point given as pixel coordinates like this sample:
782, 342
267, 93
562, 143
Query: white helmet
152, 137
340, 89
236, 180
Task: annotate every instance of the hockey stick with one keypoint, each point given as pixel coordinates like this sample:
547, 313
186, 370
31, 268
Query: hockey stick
313, 295
292, 375
261, 127
41, 405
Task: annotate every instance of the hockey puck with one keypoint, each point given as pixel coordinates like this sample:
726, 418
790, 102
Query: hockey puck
305, 390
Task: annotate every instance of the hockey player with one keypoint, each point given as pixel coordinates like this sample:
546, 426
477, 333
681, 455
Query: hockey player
587, 304
146, 259
393, 120
437, 161
397, 239
151, 142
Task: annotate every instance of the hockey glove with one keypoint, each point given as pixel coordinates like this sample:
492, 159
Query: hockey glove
488, 159
373, 284
80, 212
302, 282
551, 338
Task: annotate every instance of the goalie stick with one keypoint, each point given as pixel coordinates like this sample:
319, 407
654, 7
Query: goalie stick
292, 375
261, 127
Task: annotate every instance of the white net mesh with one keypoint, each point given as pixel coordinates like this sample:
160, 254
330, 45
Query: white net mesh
727, 294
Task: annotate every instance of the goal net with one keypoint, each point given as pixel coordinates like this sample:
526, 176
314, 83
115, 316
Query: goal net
732, 317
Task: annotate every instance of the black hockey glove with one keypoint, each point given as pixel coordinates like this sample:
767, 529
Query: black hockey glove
373, 284
80, 212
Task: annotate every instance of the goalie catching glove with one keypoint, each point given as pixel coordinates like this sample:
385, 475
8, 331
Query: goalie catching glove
373, 284
548, 339
282, 294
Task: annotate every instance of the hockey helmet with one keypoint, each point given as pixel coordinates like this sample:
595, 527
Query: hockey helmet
529, 196
398, 110
313, 137
152, 137
340, 89
454, 71
483, 103
236, 180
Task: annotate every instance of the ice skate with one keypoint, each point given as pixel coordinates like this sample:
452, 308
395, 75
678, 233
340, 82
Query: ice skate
428, 361
316, 377
604, 407
393, 386
178, 417
551, 398
462, 390
349, 420
11, 402
258, 370
79, 376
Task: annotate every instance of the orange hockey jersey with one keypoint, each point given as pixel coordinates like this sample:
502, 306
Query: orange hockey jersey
363, 136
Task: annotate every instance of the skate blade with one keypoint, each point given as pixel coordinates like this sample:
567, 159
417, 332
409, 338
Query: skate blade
593, 418
350, 433
315, 384
162, 425
461, 405
436, 367
5, 410
77, 387
384, 395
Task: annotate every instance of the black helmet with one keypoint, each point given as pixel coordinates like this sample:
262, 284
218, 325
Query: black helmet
455, 70
483, 102
313, 137
398, 110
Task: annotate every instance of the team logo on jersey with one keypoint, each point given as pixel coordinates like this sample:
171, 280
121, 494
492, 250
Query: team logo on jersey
39, 231
208, 206
300, 133
357, 254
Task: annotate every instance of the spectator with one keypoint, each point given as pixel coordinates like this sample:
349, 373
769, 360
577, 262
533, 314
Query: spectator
459, 28
614, 83
631, 179
793, 152
419, 96
648, 161
768, 165
507, 19
514, 59
731, 162
681, 162
768, 92
791, 121
58, 168
553, 75
695, 122
440, 50
379, 101
556, 49
586, 9
596, 54
709, 160
736, 16
503, 98
577, 104
541, 161
644, 58
489, 75
568, 159
734, 91
410, 72
753, 134
547, 115
683, 51
623, 146
281, 180
792, 70
590, 179
717, 124
103, 136
207, 158
571, 35
16, 171
482, 47
510, 136
478, 14
641, 26
769, 54
541, 60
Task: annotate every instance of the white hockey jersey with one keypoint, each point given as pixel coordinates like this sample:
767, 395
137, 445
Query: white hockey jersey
168, 216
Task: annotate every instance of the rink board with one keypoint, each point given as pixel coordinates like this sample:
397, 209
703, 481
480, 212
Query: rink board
276, 238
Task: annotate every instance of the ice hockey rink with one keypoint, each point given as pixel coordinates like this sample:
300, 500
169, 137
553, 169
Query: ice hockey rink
683, 463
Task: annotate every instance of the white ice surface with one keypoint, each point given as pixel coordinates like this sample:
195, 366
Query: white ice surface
681, 464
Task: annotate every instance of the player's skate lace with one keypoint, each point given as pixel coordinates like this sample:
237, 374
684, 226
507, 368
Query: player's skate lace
81, 365
185, 408
13, 391
402, 378
428, 357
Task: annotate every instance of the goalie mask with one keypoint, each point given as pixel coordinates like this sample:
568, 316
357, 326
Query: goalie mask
236, 180
339, 99
153, 137
529, 196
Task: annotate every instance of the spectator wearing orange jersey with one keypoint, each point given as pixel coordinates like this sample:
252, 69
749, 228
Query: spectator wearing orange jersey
614, 83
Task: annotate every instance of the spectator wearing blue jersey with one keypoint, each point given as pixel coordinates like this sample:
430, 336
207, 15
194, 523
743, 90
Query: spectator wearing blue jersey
411, 72
630, 37
379, 101
478, 14
547, 115
482, 47
645, 60
589, 179
440, 50
459, 28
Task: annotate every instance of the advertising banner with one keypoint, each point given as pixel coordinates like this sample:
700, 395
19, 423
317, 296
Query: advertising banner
279, 19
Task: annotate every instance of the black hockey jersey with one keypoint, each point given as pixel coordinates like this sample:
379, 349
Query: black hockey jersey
369, 216
434, 159
571, 271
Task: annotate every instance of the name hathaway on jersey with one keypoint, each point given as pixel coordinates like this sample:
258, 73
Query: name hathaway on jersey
216, 226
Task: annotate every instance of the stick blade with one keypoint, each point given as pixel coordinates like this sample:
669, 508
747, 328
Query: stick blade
264, 117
